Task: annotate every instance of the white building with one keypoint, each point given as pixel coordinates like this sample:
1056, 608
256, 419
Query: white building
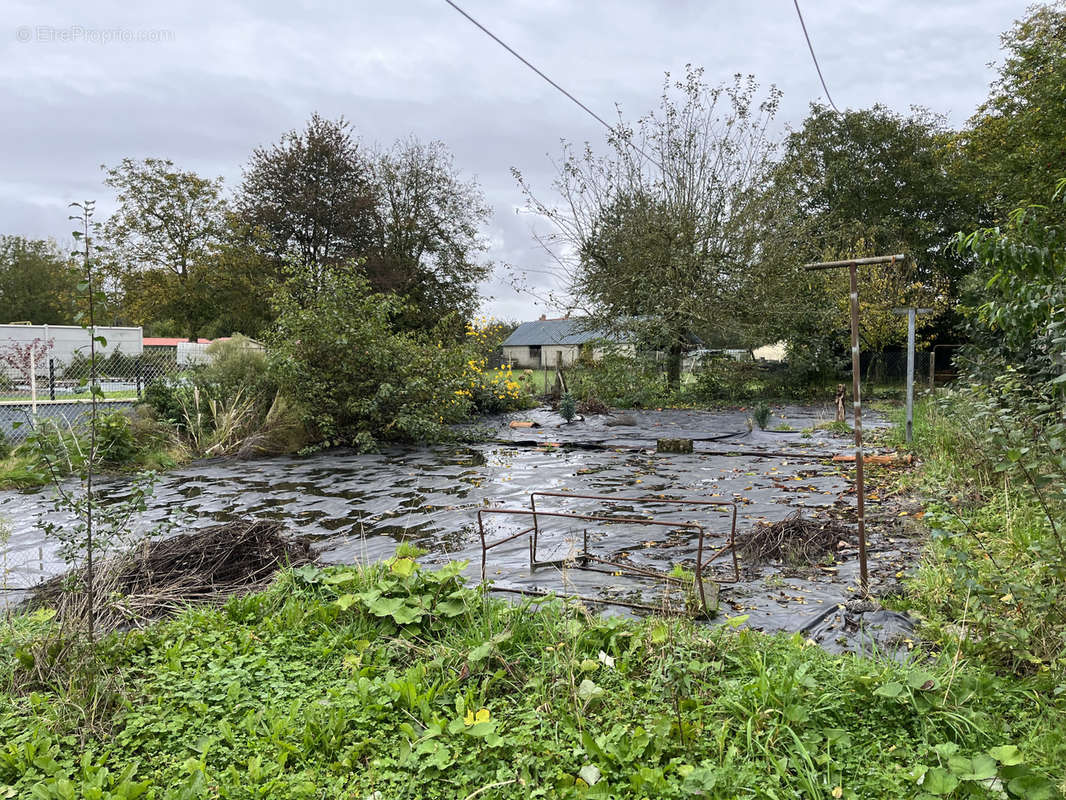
547, 343
70, 340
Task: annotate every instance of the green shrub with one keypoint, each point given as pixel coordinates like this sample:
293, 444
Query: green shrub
729, 380
995, 469
167, 396
761, 414
622, 381
237, 365
114, 437
496, 391
355, 379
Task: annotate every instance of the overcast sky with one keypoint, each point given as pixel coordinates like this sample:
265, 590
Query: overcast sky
203, 83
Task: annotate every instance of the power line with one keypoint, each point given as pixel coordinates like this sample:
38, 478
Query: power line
814, 58
571, 97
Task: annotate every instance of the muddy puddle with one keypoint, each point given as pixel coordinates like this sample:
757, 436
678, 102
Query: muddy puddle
358, 507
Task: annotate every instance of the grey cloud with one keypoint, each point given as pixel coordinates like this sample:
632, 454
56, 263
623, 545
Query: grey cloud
236, 74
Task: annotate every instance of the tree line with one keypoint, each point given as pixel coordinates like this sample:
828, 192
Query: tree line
693, 220
182, 258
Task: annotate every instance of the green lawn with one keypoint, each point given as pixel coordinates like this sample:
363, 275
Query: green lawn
42, 398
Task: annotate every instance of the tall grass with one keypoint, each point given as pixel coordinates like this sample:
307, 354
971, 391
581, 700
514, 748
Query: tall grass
991, 579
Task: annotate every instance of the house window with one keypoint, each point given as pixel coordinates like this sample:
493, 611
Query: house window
534, 353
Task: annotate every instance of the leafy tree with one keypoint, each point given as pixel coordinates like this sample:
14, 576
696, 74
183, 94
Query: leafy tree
871, 182
1014, 145
312, 196
1018, 318
671, 228
37, 282
404, 217
822, 328
242, 280
427, 241
880, 178
160, 240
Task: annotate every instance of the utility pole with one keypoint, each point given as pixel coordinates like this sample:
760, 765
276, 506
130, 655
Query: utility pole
856, 389
911, 313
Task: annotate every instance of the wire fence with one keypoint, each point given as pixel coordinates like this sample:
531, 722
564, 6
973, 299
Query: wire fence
60, 388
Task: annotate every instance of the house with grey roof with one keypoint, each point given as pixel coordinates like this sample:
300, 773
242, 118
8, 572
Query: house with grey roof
547, 343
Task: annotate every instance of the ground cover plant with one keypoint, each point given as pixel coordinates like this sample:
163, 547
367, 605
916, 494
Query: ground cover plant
991, 581
55, 448
397, 681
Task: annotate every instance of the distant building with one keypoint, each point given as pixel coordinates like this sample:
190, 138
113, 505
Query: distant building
68, 341
546, 343
186, 352
777, 351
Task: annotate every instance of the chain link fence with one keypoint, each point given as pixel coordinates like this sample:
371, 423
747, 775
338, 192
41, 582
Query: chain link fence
58, 388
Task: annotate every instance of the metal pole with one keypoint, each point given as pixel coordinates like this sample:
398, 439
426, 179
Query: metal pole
33, 382
912, 316
932, 366
51, 379
856, 389
910, 374
856, 376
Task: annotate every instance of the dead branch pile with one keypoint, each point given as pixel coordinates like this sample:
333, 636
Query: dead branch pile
161, 577
592, 405
795, 540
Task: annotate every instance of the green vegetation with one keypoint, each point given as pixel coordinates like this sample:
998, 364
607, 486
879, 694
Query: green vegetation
55, 449
761, 414
682, 243
37, 282
838, 427
991, 582
567, 407
358, 380
398, 682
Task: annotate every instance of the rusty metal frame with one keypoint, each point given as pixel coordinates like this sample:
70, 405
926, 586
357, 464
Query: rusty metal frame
856, 393
583, 558
731, 546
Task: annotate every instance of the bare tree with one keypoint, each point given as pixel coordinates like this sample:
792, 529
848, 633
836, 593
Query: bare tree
672, 229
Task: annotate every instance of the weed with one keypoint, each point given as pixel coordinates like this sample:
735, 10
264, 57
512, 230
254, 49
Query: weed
396, 680
761, 413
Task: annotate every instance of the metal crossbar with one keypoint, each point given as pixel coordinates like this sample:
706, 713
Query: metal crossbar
584, 558
731, 546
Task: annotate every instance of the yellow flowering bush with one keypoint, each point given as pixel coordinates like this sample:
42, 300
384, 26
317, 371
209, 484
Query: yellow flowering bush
491, 391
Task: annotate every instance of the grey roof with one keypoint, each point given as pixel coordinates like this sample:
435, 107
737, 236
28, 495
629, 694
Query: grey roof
579, 330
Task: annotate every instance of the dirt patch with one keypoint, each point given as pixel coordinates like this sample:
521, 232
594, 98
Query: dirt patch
794, 540
161, 577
